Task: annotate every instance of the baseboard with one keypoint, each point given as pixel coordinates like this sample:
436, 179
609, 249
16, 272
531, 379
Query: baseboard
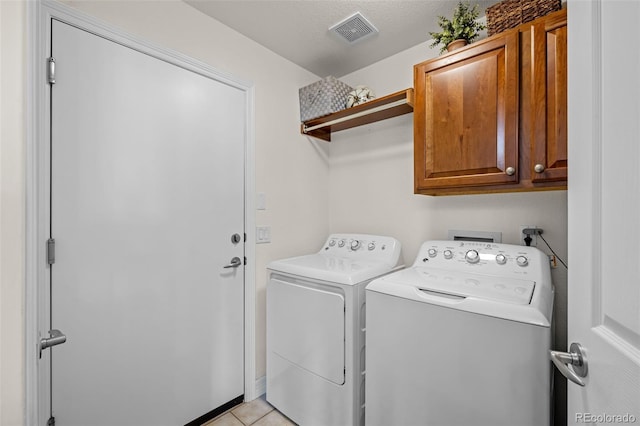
261, 386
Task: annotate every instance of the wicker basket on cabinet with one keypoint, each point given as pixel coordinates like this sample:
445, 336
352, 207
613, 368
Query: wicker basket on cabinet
511, 13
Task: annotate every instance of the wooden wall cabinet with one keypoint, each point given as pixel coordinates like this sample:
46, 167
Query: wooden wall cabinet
492, 116
549, 109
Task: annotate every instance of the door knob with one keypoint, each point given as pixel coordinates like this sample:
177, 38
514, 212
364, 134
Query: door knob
538, 168
235, 262
574, 358
510, 171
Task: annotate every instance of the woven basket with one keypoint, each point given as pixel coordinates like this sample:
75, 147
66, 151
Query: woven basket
511, 13
322, 97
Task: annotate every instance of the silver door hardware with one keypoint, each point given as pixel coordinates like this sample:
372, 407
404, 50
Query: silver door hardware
56, 338
51, 251
539, 168
576, 358
510, 171
236, 238
51, 71
235, 262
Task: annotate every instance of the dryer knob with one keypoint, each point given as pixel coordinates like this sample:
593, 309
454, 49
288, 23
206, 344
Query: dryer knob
448, 254
522, 261
332, 243
372, 246
472, 256
501, 259
341, 243
432, 252
355, 245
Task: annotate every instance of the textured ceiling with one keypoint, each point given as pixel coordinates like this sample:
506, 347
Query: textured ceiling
298, 29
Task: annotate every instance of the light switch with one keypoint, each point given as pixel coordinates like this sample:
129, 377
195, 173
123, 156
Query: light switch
263, 234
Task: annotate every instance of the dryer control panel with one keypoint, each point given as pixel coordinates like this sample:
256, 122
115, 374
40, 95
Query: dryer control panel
364, 247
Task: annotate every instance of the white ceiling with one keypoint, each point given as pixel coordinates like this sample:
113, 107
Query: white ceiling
298, 29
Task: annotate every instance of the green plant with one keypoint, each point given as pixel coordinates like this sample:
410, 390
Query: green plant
463, 25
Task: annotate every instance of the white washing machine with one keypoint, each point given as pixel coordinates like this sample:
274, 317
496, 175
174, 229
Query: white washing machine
316, 330
461, 338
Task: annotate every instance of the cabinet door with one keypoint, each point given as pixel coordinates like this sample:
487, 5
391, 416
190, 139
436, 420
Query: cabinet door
466, 117
549, 79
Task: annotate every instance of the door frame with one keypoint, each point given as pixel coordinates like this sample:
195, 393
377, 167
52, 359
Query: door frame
37, 276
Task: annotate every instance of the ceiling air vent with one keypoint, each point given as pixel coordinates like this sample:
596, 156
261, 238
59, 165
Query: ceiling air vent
354, 28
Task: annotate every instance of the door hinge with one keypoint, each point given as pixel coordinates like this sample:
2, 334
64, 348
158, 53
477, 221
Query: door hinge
51, 70
51, 251
51, 421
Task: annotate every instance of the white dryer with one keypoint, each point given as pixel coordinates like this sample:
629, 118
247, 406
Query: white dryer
461, 338
316, 330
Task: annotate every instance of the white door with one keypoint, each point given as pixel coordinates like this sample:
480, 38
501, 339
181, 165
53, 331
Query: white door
604, 209
146, 193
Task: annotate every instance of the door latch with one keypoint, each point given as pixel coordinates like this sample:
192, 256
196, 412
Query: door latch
56, 338
235, 262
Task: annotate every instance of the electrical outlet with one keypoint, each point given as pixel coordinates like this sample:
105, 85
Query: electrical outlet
534, 238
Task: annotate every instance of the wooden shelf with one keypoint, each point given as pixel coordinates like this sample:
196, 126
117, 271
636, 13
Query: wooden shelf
389, 106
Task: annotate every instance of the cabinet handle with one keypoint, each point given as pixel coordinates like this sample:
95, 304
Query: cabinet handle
510, 171
539, 168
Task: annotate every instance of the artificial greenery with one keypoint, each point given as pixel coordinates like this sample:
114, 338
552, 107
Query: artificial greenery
462, 26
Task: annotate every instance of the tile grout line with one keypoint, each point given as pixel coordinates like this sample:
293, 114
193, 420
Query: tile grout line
258, 419
249, 424
237, 418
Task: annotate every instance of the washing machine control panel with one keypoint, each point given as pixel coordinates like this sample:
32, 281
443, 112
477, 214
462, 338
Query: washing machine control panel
363, 247
479, 257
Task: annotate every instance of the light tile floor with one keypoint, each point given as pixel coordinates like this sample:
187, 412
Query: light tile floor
255, 413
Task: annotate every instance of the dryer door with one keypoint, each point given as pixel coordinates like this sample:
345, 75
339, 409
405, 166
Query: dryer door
306, 326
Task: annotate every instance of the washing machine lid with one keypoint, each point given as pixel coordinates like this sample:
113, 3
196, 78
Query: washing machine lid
497, 289
511, 299
329, 268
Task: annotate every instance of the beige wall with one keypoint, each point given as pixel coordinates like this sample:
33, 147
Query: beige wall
360, 182
371, 190
371, 179
12, 210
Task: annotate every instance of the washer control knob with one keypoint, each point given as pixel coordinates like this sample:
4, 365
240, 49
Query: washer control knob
522, 261
355, 245
432, 252
332, 243
472, 256
341, 243
501, 259
371, 246
448, 254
